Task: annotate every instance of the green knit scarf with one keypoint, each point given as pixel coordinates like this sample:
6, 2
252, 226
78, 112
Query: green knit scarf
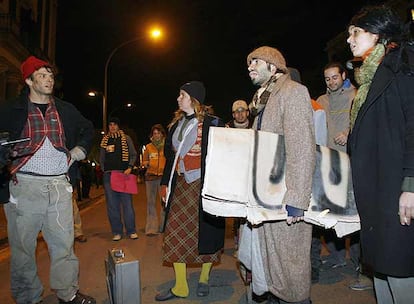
364, 76
159, 144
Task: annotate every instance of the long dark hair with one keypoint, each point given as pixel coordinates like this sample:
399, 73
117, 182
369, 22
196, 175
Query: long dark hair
380, 20
392, 32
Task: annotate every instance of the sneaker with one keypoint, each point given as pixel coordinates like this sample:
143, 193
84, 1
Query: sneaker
362, 283
80, 299
133, 236
338, 265
116, 237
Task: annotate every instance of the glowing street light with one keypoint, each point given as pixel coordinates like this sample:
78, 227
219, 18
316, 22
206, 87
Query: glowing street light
154, 34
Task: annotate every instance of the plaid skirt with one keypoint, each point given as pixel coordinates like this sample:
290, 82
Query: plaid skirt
181, 231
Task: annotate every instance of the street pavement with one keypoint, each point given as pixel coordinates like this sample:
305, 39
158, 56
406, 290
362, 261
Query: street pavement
226, 285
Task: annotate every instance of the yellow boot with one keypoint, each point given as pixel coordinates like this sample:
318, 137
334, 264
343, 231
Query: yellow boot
202, 288
181, 286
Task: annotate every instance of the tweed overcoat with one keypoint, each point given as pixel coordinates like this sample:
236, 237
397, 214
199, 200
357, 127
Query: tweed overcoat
286, 248
381, 148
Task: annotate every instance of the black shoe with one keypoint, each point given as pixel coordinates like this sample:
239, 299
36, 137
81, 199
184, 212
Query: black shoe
271, 299
165, 296
202, 289
80, 299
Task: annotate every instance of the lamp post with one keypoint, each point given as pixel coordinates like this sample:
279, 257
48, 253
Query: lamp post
155, 34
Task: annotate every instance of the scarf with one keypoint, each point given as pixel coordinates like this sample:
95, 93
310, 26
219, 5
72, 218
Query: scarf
124, 143
243, 125
159, 144
364, 76
260, 100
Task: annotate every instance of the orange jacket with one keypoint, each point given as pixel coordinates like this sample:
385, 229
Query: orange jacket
153, 160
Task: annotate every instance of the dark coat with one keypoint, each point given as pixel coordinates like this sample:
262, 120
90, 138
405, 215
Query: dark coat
78, 130
381, 147
211, 228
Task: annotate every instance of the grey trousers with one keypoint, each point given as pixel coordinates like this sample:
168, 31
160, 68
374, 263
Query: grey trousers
41, 204
392, 290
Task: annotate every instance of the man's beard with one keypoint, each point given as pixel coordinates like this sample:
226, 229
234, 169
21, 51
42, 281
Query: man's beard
261, 78
258, 81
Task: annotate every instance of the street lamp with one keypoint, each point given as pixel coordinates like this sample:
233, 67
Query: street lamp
154, 34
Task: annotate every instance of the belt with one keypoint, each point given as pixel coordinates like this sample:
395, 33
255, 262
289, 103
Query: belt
37, 174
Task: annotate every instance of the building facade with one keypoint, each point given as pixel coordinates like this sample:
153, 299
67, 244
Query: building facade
27, 27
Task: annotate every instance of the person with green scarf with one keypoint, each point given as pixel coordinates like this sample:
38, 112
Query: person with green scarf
381, 149
154, 160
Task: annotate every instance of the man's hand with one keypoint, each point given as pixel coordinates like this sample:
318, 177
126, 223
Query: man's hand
294, 219
128, 171
406, 210
295, 215
341, 138
163, 193
76, 154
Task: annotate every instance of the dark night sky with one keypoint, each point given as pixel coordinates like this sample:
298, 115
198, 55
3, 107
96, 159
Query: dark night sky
204, 40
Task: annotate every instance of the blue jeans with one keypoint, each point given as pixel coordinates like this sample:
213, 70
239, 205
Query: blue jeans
115, 201
41, 204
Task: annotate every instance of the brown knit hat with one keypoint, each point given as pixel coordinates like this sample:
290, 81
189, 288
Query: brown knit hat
270, 55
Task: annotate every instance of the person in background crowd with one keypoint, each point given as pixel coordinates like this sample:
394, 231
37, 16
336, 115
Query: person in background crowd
381, 149
191, 236
337, 103
319, 122
240, 113
77, 221
283, 106
40, 192
154, 160
118, 154
85, 168
98, 176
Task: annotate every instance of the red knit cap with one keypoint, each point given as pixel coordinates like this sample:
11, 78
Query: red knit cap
30, 65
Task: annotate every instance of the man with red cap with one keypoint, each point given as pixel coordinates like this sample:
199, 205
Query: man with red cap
40, 192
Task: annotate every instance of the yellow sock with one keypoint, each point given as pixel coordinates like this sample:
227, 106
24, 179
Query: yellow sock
205, 272
181, 287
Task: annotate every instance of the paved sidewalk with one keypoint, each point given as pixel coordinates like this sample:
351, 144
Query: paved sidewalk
226, 286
